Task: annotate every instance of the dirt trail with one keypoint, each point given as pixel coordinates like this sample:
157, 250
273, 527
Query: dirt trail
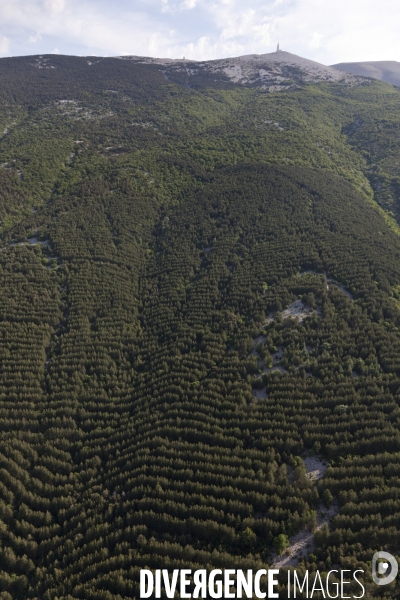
302, 543
297, 309
33, 241
315, 468
341, 287
260, 394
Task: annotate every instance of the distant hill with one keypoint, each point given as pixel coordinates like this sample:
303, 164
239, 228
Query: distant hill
385, 70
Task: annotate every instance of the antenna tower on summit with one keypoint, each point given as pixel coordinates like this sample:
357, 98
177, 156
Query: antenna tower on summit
277, 48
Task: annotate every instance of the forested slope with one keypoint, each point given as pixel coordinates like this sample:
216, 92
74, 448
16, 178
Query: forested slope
156, 396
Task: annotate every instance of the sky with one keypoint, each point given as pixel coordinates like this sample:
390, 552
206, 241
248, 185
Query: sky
328, 31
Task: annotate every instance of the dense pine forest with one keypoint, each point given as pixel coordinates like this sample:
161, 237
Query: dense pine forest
199, 292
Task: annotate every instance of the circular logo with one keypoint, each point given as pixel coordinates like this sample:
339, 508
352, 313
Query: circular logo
383, 567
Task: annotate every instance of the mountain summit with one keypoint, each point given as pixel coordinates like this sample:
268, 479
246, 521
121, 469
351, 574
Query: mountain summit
272, 71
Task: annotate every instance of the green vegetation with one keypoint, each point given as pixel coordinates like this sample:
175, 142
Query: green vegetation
281, 542
156, 400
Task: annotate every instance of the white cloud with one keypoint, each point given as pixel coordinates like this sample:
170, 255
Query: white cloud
203, 29
173, 7
55, 7
4, 45
34, 38
341, 31
189, 4
316, 40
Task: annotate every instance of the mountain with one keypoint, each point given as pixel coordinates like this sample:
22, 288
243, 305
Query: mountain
385, 70
199, 320
273, 71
